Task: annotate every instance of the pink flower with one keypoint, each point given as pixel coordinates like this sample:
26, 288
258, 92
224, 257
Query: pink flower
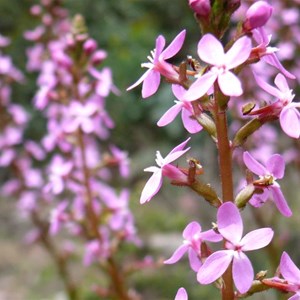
268, 174
158, 66
267, 53
291, 274
165, 168
181, 294
230, 226
187, 112
289, 116
193, 237
211, 51
80, 116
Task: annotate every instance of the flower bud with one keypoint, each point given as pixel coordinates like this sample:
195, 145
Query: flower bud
98, 56
257, 15
89, 46
200, 7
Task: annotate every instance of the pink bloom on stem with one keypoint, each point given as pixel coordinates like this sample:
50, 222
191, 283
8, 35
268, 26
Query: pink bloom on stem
289, 116
291, 274
268, 174
181, 294
267, 53
187, 112
158, 65
58, 217
193, 237
211, 51
164, 168
80, 116
257, 15
230, 226
121, 158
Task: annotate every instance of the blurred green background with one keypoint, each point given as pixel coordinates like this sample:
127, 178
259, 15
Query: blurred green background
127, 29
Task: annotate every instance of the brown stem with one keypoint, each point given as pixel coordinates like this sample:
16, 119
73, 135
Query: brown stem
224, 149
115, 272
225, 169
60, 261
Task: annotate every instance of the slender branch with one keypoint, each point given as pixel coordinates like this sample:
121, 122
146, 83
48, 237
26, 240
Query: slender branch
114, 271
60, 261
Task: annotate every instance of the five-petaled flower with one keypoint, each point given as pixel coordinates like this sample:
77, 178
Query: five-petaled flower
211, 51
158, 65
165, 169
193, 237
283, 107
230, 226
187, 112
268, 174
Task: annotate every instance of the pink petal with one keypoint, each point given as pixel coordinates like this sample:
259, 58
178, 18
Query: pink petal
151, 84
179, 147
230, 223
87, 126
238, 53
211, 51
159, 46
152, 186
276, 165
253, 165
281, 83
175, 46
280, 201
178, 91
191, 229
211, 236
290, 121
229, 84
289, 270
190, 124
142, 78
173, 156
176, 256
257, 239
266, 87
200, 86
170, 115
194, 260
272, 60
181, 294
242, 272
214, 266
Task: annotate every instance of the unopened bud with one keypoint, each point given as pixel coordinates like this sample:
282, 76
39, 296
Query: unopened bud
200, 7
257, 15
89, 46
98, 57
244, 196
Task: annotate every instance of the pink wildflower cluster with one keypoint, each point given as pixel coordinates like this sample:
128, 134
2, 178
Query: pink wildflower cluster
207, 91
73, 190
